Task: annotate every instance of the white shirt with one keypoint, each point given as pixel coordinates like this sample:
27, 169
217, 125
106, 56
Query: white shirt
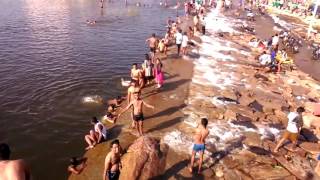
275, 40
292, 123
103, 131
179, 38
265, 59
185, 40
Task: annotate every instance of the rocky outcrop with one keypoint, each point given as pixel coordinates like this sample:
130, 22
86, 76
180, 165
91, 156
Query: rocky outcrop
145, 159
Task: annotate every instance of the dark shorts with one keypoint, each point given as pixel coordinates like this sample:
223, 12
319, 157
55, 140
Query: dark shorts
199, 147
152, 49
113, 175
138, 117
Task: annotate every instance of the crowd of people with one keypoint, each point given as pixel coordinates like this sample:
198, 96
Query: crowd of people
147, 74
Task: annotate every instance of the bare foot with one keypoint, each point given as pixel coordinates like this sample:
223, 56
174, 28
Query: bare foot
275, 151
190, 169
89, 147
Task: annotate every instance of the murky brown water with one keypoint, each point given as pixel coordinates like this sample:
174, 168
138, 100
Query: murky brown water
51, 59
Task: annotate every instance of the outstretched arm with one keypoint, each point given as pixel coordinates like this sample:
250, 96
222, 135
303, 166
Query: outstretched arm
148, 105
125, 109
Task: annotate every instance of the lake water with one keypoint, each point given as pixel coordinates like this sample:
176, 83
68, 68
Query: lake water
50, 59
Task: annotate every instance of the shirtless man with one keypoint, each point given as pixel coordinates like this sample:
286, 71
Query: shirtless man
199, 143
152, 44
112, 163
135, 73
134, 88
12, 169
138, 117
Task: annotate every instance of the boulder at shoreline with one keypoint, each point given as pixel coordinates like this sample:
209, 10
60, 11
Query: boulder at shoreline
145, 159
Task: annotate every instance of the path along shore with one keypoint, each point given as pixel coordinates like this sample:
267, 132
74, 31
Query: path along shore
246, 107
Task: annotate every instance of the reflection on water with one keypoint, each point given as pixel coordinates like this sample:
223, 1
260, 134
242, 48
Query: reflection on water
51, 59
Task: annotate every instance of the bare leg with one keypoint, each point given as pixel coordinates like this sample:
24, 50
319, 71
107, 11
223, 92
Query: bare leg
200, 162
140, 124
132, 123
192, 161
136, 126
89, 141
279, 144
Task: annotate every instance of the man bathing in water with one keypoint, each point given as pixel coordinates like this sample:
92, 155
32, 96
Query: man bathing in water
97, 135
12, 169
112, 163
138, 117
199, 143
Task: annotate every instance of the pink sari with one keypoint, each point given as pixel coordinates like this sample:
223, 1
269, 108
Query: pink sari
159, 75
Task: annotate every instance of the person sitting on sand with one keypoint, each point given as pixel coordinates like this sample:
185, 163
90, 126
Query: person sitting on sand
199, 143
265, 58
112, 162
77, 165
12, 169
295, 123
97, 135
138, 117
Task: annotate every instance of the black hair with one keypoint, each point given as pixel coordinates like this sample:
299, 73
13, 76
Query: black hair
116, 141
147, 56
94, 120
109, 114
153, 35
4, 151
119, 98
74, 161
134, 64
300, 109
204, 122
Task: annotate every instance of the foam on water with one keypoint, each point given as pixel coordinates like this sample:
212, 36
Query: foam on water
214, 68
221, 135
94, 99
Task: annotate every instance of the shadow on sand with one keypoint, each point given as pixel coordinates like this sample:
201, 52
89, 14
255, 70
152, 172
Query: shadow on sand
168, 111
173, 172
165, 124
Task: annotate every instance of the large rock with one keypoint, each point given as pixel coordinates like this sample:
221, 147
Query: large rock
145, 159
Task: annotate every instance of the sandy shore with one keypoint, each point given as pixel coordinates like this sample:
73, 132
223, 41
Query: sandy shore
247, 109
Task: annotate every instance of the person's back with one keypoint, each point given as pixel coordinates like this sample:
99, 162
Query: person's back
12, 169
